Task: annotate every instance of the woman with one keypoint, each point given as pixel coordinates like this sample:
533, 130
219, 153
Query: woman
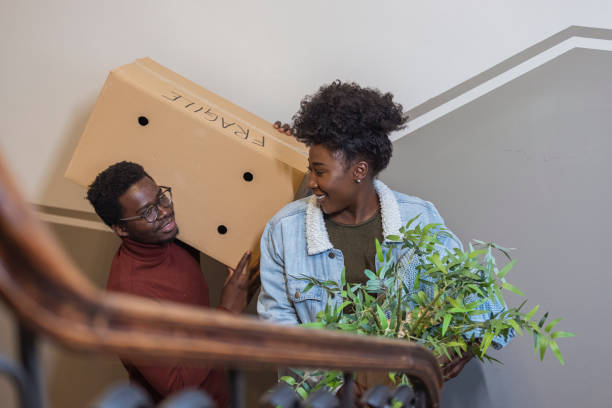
346, 128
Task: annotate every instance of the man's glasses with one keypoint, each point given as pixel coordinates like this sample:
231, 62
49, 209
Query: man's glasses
164, 199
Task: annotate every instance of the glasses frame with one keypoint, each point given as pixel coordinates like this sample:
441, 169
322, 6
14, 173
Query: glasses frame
155, 206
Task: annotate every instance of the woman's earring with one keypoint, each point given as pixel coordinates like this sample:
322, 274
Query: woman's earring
358, 181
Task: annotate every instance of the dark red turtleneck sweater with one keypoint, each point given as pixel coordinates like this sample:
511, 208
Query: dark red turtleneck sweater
165, 272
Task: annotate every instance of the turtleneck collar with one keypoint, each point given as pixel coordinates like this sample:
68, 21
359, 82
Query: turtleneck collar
145, 252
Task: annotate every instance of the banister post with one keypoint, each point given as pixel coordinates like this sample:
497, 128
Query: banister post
236, 389
28, 354
348, 390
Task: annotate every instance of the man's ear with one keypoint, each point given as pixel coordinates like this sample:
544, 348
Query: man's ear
360, 170
120, 230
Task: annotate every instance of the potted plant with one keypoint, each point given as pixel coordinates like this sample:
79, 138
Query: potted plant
440, 310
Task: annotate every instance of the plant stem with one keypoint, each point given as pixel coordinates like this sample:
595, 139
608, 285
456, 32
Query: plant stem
429, 307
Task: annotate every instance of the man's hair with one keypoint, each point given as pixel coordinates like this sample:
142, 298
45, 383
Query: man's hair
353, 120
109, 185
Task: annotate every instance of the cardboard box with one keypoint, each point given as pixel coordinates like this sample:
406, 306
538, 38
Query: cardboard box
230, 171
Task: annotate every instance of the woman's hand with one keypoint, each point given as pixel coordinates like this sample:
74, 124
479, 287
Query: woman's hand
453, 366
283, 128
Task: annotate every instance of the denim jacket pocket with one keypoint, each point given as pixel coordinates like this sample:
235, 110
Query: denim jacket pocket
297, 292
307, 304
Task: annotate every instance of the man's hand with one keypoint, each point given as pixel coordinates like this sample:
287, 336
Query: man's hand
240, 285
453, 366
283, 128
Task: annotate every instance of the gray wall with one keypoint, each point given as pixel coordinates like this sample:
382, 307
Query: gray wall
527, 166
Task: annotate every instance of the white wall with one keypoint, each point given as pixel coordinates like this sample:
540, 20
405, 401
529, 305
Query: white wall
263, 55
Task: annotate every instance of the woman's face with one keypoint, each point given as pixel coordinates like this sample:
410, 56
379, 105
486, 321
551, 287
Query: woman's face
331, 180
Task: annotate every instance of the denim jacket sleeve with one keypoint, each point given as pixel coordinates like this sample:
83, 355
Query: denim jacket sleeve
273, 303
450, 243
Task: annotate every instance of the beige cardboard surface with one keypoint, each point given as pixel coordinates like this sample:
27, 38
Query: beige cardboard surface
226, 166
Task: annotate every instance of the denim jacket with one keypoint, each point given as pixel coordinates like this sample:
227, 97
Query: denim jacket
295, 243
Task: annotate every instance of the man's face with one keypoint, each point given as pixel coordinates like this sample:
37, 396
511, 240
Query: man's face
134, 202
331, 180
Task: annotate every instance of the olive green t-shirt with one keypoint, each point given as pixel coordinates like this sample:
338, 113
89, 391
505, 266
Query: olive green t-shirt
357, 245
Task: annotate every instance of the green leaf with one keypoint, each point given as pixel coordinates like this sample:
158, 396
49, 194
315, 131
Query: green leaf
489, 358
379, 252
555, 349
307, 287
371, 275
477, 253
417, 282
394, 238
381, 317
460, 344
503, 250
409, 223
313, 325
541, 345
350, 293
542, 320
475, 304
515, 326
453, 302
422, 297
348, 326
297, 371
552, 324
506, 269
445, 323
533, 311
512, 288
288, 379
343, 276
521, 305
498, 295
302, 392
486, 342
476, 289
478, 312
435, 258
368, 299
457, 310
345, 304
561, 334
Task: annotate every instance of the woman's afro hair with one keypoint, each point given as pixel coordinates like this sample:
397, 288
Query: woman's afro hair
344, 117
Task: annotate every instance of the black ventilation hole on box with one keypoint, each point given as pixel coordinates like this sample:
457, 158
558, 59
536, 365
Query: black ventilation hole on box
222, 229
143, 121
247, 176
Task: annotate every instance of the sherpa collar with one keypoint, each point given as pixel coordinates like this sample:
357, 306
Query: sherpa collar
317, 239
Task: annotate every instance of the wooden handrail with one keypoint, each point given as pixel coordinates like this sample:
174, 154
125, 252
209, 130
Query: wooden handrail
46, 291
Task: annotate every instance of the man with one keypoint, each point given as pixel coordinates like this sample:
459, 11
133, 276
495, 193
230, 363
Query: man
151, 263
